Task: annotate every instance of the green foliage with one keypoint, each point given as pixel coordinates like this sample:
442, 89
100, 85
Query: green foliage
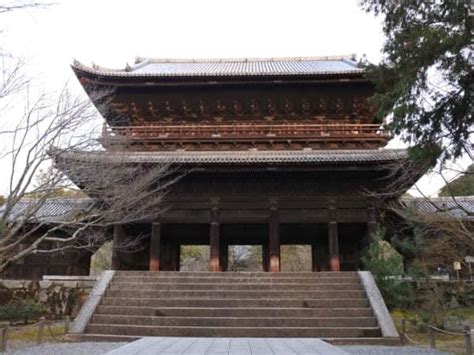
385, 266
425, 77
102, 259
462, 186
2, 200
194, 258
19, 309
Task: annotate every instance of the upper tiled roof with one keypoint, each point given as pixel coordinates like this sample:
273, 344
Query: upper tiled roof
49, 210
146, 67
459, 207
312, 157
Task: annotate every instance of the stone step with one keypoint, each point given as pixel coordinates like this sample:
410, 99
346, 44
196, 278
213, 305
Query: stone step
258, 320
161, 286
380, 341
243, 294
234, 312
333, 340
235, 279
237, 302
113, 338
309, 274
319, 332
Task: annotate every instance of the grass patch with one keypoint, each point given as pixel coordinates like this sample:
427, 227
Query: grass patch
417, 327
51, 334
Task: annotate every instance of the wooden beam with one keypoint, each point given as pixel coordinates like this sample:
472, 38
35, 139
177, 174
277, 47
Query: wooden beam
334, 262
155, 245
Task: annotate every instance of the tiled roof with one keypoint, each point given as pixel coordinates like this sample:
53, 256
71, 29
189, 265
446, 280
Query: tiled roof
311, 157
50, 210
146, 67
461, 207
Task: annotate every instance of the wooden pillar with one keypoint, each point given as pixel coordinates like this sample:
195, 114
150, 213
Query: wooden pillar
214, 260
274, 240
333, 247
265, 257
319, 255
175, 256
118, 241
155, 246
224, 256
165, 254
372, 223
314, 257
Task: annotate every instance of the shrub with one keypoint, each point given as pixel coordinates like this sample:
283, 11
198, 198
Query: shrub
387, 267
19, 309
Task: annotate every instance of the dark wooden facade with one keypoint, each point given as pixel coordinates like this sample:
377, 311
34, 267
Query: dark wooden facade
276, 152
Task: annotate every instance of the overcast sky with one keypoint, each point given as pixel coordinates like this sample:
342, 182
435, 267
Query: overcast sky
111, 33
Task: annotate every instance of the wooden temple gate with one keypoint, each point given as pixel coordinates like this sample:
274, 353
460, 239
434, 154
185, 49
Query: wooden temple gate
288, 147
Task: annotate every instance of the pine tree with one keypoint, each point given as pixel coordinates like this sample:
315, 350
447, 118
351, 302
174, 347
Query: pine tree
425, 81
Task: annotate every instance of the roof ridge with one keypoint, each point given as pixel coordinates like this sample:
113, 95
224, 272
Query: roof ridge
349, 57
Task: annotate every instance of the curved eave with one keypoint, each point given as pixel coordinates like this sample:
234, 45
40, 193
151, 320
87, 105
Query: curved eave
314, 158
109, 76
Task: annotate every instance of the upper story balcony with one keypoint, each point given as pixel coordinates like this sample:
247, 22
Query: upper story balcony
246, 136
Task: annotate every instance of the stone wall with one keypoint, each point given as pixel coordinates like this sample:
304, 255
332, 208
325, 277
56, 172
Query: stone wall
62, 295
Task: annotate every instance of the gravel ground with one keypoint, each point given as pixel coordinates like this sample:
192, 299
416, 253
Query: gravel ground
102, 348
68, 348
389, 350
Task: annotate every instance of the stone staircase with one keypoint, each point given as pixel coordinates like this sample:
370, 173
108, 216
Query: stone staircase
329, 305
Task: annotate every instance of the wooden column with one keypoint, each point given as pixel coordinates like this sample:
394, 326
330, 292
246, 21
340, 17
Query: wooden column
155, 246
214, 260
175, 256
314, 257
118, 241
319, 254
274, 240
372, 223
224, 256
334, 263
265, 257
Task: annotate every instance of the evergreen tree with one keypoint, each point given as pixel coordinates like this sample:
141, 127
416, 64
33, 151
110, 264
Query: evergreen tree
425, 78
462, 186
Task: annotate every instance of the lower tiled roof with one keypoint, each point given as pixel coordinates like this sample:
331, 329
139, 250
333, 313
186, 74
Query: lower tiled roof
312, 157
49, 210
458, 207
60, 209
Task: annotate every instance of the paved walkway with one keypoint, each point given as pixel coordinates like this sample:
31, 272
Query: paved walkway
230, 346
104, 348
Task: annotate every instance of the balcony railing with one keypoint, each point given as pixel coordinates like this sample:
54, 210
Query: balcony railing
161, 133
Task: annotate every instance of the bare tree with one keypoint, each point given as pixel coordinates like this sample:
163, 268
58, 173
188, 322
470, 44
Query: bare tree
428, 230
49, 135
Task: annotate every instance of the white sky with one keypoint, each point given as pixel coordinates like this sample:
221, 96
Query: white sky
111, 33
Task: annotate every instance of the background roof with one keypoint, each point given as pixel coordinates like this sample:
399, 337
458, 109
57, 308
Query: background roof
459, 207
51, 210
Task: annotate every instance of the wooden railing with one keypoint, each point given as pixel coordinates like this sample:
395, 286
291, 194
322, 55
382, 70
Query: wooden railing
245, 131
